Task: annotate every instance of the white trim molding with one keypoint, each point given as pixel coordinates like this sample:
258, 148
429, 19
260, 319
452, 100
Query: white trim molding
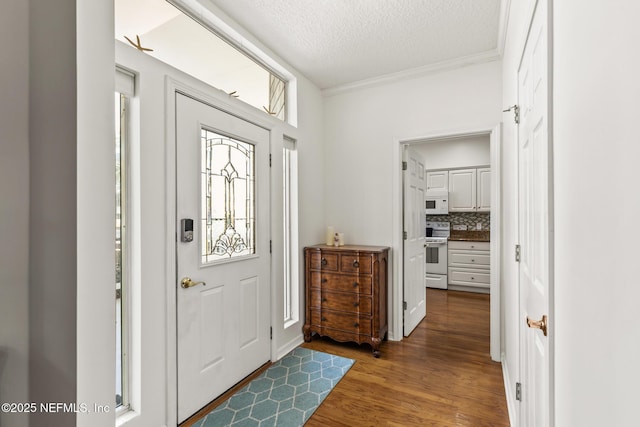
510, 393
479, 58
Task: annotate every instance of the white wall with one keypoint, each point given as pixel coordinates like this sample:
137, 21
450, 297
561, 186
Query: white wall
95, 299
596, 151
362, 125
14, 208
456, 153
52, 220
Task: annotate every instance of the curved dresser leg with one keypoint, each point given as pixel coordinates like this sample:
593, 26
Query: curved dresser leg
306, 329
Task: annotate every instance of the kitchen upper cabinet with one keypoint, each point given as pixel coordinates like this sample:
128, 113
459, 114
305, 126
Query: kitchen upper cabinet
462, 190
470, 190
483, 195
438, 180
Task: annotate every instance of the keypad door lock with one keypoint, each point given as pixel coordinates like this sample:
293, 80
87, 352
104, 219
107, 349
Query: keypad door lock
186, 230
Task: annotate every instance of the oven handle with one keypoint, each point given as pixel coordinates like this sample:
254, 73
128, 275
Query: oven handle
428, 244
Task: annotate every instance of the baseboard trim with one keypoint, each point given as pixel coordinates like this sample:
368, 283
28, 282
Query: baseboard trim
287, 347
509, 393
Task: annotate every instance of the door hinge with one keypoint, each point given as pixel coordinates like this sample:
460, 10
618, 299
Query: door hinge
404, 166
269, 160
118, 293
517, 253
270, 246
519, 392
404, 235
404, 305
516, 113
271, 332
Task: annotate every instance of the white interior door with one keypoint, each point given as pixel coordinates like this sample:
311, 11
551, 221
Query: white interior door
415, 290
535, 222
223, 187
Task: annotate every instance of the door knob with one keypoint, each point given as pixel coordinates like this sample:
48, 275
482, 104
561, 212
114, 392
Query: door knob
538, 324
188, 283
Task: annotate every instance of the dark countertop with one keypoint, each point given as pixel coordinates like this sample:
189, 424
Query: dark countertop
470, 235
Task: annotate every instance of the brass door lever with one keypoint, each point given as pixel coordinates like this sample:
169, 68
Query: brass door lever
188, 283
538, 324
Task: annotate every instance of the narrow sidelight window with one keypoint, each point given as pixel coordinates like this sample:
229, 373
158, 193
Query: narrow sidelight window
290, 227
124, 86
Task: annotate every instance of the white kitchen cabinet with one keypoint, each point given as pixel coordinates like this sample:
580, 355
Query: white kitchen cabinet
483, 194
462, 190
469, 266
470, 190
438, 180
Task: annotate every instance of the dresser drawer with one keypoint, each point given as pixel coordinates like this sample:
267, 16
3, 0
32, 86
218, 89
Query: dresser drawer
324, 261
355, 263
340, 301
341, 282
342, 321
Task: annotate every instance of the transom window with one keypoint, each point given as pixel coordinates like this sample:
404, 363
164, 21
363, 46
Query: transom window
163, 31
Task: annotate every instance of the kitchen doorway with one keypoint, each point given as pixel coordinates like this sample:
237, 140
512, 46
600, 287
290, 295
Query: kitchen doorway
494, 134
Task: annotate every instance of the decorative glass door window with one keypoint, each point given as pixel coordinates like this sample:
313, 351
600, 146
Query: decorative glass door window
228, 197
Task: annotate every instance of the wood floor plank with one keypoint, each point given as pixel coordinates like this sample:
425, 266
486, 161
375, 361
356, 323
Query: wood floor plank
442, 375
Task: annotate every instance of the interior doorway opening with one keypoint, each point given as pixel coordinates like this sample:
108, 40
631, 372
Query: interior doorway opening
494, 222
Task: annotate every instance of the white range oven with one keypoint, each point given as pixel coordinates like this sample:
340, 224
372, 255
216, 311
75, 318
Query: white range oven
436, 246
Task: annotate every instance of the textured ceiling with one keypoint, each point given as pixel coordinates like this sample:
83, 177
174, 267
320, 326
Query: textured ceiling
335, 42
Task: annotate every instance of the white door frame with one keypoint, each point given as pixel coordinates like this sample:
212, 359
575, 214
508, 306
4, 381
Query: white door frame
395, 302
216, 100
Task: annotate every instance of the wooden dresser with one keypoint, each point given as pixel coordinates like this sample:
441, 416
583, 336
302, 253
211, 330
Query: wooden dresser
346, 293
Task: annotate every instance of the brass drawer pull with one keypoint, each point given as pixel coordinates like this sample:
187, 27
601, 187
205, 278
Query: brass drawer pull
324, 300
324, 280
324, 262
356, 324
355, 284
324, 319
356, 264
356, 304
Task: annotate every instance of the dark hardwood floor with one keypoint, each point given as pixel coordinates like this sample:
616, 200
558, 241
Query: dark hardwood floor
441, 375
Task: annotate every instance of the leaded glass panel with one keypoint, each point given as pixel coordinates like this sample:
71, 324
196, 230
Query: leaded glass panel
228, 197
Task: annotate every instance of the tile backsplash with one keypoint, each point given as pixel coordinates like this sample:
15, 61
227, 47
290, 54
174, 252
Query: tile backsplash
470, 219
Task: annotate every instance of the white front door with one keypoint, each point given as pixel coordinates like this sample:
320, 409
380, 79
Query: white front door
415, 290
535, 223
222, 194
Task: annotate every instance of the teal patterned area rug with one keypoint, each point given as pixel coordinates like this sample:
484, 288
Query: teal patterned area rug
285, 395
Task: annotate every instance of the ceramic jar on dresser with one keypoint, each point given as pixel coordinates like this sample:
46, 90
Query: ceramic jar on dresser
346, 293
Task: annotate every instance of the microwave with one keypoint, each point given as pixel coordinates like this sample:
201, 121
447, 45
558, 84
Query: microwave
437, 203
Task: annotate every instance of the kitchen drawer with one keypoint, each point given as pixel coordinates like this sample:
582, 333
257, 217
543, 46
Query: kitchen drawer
355, 264
324, 261
341, 282
469, 259
357, 324
353, 303
468, 246
469, 277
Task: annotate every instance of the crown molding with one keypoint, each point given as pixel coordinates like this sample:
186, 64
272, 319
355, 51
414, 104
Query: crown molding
488, 56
